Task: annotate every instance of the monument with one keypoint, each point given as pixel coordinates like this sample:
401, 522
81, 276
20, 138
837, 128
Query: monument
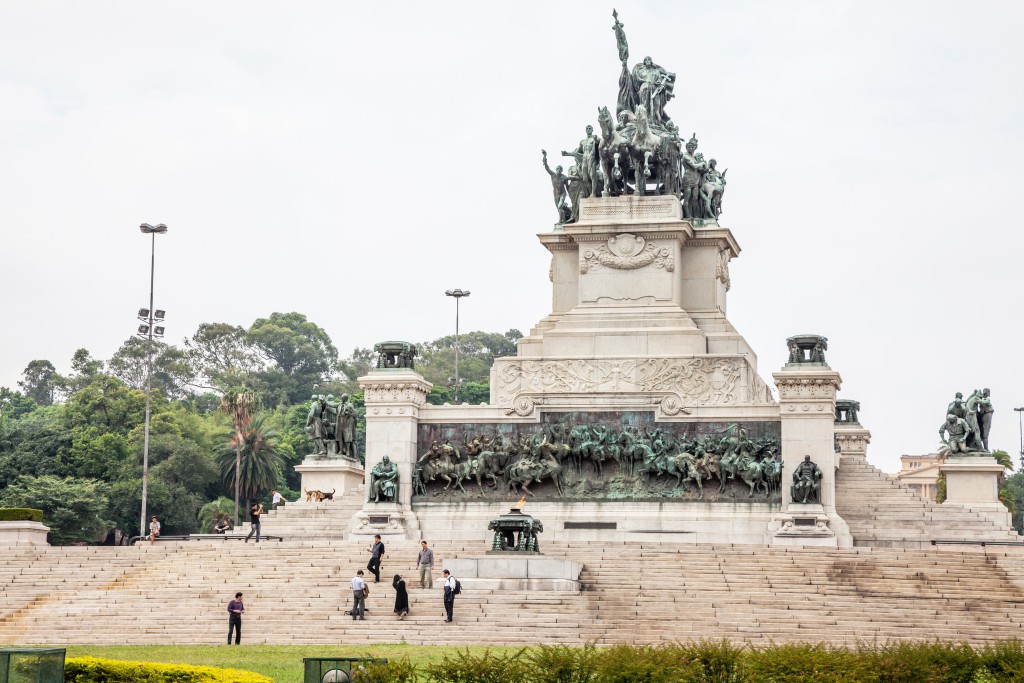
635, 407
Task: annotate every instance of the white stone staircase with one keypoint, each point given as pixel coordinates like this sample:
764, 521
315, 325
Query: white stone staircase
297, 592
883, 512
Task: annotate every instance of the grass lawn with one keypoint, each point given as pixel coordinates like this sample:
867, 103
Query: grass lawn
283, 663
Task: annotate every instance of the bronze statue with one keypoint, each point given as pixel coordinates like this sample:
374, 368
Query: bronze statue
805, 488
985, 416
693, 167
345, 430
586, 163
384, 481
559, 183
315, 426
958, 430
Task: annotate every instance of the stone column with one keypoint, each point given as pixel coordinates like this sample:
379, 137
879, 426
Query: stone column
807, 405
393, 397
972, 482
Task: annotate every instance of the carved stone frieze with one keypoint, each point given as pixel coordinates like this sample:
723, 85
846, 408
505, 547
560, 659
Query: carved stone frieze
626, 252
853, 443
795, 388
395, 392
695, 381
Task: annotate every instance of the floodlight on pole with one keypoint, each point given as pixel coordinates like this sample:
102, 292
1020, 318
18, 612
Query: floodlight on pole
456, 294
148, 331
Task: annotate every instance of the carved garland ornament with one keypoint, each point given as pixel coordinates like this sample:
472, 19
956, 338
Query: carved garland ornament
807, 388
394, 391
626, 252
722, 269
696, 381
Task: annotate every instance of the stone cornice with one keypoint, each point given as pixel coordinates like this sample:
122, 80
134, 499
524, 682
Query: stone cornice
404, 388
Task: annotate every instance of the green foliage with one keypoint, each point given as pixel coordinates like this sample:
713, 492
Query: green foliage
214, 511
1012, 493
74, 509
720, 661
20, 515
300, 354
222, 356
564, 664
94, 670
487, 667
173, 372
41, 382
921, 662
628, 663
473, 393
1003, 661
260, 464
810, 663
477, 351
394, 671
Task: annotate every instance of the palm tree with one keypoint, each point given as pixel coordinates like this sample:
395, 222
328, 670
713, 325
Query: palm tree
260, 466
239, 404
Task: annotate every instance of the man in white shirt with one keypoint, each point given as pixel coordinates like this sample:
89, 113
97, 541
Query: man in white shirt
278, 499
154, 530
449, 595
358, 596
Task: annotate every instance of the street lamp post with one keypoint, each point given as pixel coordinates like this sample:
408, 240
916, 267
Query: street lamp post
1020, 422
148, 331
457, 294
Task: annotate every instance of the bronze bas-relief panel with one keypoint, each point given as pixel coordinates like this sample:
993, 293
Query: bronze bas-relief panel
599, 455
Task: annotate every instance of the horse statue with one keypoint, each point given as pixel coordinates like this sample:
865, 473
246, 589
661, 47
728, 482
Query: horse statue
612, 148
644, 147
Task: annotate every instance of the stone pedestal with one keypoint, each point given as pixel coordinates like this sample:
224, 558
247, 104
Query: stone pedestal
972, 482
807, 395
509, 572
393, 397
340, 475
23, 533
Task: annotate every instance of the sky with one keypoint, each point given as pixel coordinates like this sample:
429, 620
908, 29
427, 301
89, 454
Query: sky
353, 161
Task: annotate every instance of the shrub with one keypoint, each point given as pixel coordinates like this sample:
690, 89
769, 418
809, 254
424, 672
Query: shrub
1003, 661
720, 661
486, 668
563, 664
395, 671
20, 515
923, 662
805, 663
628, 664
95, 670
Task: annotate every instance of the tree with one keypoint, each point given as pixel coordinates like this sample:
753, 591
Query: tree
256, 465
173, 373
222, 356
239, 404
74, 509
41, 382
301, 353
213, 512
84, 369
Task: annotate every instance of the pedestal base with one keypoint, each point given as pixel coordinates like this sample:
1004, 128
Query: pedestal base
23, 533
806, 524
340, 475
515, 571
972, 482
390, 520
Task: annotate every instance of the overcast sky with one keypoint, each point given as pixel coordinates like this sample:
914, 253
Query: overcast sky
353, 161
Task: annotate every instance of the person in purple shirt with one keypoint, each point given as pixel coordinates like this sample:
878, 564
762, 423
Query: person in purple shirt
235, 609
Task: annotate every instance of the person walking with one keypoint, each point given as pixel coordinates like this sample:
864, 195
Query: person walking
376, 554
359, 591
235, 609
450, 582
401, 596
154, 529
254, 517
278, 499
425, 563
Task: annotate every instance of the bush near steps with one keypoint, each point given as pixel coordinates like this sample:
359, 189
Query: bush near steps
95, 670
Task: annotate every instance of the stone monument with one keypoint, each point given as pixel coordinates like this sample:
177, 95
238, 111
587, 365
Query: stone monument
635, 407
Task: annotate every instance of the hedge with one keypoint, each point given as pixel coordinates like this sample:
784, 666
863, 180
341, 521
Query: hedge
95, 670
20, 515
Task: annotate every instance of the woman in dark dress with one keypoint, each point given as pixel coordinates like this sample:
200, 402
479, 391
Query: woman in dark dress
401, 596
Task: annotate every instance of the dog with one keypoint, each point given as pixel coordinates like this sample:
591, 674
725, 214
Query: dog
318, 496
